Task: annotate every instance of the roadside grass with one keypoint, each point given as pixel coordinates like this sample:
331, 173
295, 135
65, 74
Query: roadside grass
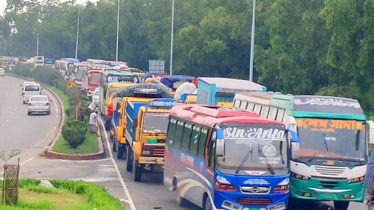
89, 145
63, 97
67, 195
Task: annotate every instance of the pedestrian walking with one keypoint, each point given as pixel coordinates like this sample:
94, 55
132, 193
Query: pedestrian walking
81, 114
94, 122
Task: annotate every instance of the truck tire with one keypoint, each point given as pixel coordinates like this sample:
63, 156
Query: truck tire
120, 150
129, 158
341, 205
137, 171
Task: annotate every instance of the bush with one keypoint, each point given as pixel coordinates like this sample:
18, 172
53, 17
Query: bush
74, 132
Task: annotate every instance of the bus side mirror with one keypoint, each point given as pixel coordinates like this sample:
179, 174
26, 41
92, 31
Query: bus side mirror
371, 132
295, 146
220, 142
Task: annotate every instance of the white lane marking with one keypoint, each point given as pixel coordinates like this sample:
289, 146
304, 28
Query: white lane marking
3, 124
127, 193
26, 161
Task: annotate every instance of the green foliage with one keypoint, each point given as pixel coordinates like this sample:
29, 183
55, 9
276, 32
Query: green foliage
301, 47
74, 132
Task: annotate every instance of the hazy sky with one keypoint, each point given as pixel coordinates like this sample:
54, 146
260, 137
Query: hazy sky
3, 4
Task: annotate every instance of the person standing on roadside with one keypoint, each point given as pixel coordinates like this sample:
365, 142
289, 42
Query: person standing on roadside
94, 122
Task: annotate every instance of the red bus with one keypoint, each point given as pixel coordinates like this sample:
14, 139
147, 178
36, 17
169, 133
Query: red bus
91, 80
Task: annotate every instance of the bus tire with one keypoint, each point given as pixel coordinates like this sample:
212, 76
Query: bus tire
120, 150
137, 171
206, 202
341, 205
180, 200
129, 158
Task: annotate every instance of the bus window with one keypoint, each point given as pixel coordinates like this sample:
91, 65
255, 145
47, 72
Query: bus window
273, 113
258, 109
280, 115
251, 107
195, 135
243, 105
202, 140
171, 129
211, 151
178, 134
186, 136
237, 103
265, 111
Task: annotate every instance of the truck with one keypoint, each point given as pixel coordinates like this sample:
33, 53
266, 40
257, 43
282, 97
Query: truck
127, 105
213, 90
334, 134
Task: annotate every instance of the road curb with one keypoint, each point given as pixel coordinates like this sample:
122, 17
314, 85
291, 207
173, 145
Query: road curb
48, 152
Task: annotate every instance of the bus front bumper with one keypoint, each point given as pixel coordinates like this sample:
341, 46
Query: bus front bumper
152, 160
326, 189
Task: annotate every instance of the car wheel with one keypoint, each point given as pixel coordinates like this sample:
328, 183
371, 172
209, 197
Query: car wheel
48, 113
28, 113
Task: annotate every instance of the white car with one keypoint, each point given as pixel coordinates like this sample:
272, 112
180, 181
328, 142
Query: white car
38, 104
96, 96
2, 72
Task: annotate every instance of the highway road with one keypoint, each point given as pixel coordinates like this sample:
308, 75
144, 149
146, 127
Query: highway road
18, 131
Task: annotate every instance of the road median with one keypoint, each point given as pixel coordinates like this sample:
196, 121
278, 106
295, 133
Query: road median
80, 153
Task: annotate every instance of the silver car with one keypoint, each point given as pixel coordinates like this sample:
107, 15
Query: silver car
39, 104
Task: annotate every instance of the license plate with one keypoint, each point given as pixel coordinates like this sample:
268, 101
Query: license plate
39, 104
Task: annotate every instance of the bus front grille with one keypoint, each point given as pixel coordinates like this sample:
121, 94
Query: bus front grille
328, 184
159, 151
254, 201
330, 171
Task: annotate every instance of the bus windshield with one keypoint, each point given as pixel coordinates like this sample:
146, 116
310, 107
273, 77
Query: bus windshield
80, 72
254, 147
332, 139
95, 78
155, 122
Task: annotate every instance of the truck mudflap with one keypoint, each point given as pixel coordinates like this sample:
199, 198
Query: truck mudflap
152, 160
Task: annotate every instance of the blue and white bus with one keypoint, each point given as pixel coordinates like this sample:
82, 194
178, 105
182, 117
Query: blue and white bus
225, 158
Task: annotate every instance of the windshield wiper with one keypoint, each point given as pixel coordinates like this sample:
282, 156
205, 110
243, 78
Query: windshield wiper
270, 168
315, 153
324, 137
249, 153
358, 140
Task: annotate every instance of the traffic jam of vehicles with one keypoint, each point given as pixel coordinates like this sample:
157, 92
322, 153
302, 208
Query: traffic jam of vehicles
224, 143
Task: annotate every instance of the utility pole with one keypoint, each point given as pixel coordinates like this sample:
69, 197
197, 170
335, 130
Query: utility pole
252, 42
172, 38
77, 39
117, 30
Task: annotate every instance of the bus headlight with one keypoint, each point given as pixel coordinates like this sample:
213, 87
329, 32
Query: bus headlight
299, 176
357, 179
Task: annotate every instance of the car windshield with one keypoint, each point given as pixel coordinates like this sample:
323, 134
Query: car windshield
155, 122
39, 98
254, 147
32, 88
332, 139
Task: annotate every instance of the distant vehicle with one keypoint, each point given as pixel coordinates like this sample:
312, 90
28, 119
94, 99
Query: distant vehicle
95, 97
39, 104
31, 90
24, 84
38, 61
2, 72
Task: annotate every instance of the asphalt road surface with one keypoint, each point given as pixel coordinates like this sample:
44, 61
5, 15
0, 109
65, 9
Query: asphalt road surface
18, 131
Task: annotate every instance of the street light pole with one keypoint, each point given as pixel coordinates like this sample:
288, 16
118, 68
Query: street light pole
172, 38
77, 39
117, 30
37, 44
252, 42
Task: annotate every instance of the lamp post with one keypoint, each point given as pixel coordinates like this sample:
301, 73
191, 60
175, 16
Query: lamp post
37, 44
117, 30
172, 38
252, 41
77, 39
